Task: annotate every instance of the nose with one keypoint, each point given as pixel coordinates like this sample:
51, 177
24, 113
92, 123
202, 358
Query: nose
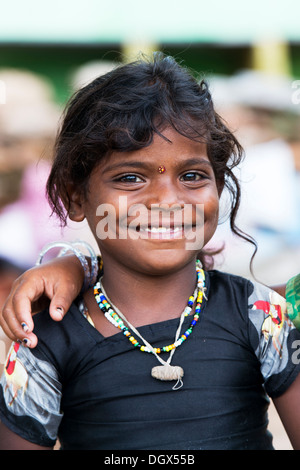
164, 191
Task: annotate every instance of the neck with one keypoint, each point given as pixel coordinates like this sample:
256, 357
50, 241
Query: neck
146, 299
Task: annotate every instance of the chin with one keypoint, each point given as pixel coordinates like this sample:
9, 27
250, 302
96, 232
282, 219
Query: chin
165, 262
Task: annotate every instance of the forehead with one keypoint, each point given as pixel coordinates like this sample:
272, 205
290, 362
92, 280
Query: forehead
170, 147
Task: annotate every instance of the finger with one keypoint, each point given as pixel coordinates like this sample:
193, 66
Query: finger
17, 313
30, 341
62, 297
11, 325
21, 309
17, 333
59, 306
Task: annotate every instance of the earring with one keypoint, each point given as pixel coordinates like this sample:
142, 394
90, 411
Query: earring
161, 169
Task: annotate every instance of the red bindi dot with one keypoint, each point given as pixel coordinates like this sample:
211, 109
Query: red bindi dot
161, 169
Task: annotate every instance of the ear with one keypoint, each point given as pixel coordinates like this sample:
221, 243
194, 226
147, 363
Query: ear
75, 206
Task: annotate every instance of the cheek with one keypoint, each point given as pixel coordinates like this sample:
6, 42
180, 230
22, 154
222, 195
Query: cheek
211, 211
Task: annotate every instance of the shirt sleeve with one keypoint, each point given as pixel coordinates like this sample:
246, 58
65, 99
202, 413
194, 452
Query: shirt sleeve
30, 396
274, 338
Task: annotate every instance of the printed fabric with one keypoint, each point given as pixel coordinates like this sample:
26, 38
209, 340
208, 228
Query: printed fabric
31, 389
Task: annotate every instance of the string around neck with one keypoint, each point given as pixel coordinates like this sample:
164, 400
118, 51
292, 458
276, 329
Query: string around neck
118, 319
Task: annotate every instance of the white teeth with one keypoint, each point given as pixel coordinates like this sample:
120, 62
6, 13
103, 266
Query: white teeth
162, 229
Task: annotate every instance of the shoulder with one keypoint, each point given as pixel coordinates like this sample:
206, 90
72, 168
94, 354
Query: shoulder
257, 301
229, 290
248, 302
274, 338
267, 310
243, 288
56, 334
259, 314
228, 304
46, 327
219, 279
63, 343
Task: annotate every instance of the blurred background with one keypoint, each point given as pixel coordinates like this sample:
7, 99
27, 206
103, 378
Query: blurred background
248, 51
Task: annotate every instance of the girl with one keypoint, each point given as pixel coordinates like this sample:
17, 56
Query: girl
163, 353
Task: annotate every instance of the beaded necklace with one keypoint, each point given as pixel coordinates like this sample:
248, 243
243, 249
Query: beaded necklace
114, 316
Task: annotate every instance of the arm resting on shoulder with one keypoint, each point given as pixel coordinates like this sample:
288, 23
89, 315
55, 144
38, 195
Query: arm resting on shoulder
57, 282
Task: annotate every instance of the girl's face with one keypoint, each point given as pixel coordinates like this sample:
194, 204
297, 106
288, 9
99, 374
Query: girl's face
153, 209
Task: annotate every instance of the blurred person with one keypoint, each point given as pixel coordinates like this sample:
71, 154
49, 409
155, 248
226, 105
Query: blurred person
259, 110
88, 71
29, 120
28, 124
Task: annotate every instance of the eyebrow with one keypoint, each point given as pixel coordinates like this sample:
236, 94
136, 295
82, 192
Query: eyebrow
124, 164
196, 161
148, 165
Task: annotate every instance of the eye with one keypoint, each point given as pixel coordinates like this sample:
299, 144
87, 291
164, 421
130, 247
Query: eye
130, 179
192, 176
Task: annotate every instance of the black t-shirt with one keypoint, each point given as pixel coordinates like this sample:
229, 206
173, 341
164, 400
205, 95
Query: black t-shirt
94, 392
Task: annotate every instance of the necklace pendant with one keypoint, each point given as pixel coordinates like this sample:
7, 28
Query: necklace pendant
167, 372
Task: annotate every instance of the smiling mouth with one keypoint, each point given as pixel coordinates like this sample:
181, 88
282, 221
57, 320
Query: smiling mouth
163, 229
162, 232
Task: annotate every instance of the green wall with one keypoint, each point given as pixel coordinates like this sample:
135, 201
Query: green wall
58, 62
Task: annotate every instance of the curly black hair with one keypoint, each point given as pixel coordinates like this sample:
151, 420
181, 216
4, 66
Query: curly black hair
122, 110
